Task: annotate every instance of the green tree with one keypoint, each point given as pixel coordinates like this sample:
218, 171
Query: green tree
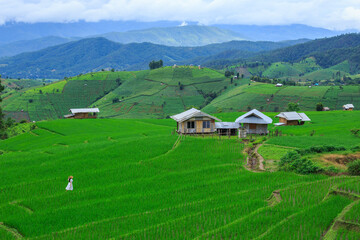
156, 64
292, 107
319, 106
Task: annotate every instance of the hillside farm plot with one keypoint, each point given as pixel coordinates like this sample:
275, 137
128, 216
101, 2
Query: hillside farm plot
184, 75
132, 182
279, 69
332, 128
56, 87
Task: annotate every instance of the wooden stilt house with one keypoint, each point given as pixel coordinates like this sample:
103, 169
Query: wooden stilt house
227, 128
254, 122
81, 113
194, 121
292, 118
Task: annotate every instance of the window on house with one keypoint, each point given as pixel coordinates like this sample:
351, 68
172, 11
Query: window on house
191, 124
206, 124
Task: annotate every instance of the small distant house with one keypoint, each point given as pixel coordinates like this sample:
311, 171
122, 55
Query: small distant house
348, 107
194, 121
278, 85
81, 113
227, 128
292, 118
235, 77
326, 109
254, 122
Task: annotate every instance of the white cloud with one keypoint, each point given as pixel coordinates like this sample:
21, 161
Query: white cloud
321, 13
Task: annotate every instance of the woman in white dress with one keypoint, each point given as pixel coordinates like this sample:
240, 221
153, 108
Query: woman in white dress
70, 185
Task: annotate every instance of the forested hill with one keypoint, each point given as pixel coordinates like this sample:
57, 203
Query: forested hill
311, 48
94, 54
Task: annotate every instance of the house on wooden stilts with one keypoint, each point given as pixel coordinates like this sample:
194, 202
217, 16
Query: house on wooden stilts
82, 113
254, 122
194, 121
291, 118
227, 128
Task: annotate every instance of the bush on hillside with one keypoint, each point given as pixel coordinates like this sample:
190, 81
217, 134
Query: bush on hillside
354, 168
292, 107
319, 106
115, 100
355, 132
320, 149
294, 162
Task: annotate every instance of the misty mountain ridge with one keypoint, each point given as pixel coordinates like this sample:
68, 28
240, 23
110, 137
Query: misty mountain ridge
94, 54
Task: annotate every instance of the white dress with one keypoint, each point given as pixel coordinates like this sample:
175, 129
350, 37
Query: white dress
70, 185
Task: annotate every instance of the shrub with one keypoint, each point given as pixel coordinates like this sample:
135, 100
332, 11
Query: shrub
293, 162
319, 106
320, 149
355, 132
115, 100
354, 168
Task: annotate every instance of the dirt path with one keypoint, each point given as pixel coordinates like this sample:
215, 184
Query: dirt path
254, 164
261, 159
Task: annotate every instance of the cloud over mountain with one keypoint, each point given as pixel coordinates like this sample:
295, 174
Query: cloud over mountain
324, 13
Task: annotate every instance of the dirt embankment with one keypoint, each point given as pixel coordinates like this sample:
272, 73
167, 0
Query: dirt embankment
340, 160
255, 161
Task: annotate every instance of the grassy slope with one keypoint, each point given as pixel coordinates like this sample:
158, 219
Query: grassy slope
157, 94
256, 96
332, 128
130, 182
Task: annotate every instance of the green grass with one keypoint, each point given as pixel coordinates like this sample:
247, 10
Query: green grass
281, 69
273, 152
267, 97
130, 181
166, 91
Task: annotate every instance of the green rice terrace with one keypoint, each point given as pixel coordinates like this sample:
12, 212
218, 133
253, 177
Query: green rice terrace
166, 91
136, 179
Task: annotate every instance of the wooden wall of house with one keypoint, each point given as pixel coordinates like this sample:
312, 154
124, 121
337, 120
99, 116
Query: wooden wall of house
182, 127
282, 120
292, 122
84, 115
256, 128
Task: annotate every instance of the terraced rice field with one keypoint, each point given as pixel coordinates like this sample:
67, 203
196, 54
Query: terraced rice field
133, 179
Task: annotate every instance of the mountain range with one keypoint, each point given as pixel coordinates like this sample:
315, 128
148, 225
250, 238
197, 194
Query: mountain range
25, 37
94, 54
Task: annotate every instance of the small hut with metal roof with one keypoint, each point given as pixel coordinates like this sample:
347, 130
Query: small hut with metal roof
81, 113
227, 128
292, 118
348, 107
194, 121
254, 122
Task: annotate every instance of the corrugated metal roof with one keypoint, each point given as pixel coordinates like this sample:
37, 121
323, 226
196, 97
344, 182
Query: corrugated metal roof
84, 110
193, 112
279, 124
347, 106
226, 125
290, 116
304, 117
254, 116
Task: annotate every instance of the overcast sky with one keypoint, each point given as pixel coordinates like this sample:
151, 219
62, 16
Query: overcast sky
331, 14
